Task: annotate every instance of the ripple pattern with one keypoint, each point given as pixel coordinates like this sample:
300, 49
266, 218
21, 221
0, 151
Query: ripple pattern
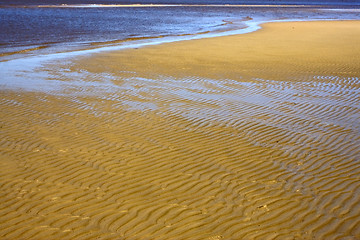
184, 158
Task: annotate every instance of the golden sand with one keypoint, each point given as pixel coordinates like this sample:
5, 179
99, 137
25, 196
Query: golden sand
254, 136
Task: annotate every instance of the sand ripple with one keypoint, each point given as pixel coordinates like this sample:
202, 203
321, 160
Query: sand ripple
184, 158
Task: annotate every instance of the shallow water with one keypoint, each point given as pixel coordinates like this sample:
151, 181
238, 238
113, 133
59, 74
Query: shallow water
35, 29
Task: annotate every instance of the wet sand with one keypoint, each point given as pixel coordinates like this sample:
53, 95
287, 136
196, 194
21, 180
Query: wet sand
253, 136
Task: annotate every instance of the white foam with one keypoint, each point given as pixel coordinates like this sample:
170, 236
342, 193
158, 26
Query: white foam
159, 5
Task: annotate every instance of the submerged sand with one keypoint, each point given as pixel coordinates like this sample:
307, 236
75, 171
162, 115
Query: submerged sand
254, 136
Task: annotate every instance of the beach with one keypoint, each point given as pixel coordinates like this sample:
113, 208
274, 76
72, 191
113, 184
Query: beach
251, 136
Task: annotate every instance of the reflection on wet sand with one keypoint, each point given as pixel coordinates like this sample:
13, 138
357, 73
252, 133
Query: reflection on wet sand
253, 136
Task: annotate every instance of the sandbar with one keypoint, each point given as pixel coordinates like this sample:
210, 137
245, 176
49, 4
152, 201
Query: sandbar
253, 136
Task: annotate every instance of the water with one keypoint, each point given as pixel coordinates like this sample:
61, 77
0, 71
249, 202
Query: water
231, 2
34, 27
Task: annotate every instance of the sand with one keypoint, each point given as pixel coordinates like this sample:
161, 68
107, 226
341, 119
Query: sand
252, 136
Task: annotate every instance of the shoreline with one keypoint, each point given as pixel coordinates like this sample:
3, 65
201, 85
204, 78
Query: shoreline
14, 67
31, 63
226, 25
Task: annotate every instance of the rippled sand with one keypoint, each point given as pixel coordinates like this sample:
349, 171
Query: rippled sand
255, 136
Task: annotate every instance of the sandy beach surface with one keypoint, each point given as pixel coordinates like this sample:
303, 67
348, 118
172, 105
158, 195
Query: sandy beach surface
253, 136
